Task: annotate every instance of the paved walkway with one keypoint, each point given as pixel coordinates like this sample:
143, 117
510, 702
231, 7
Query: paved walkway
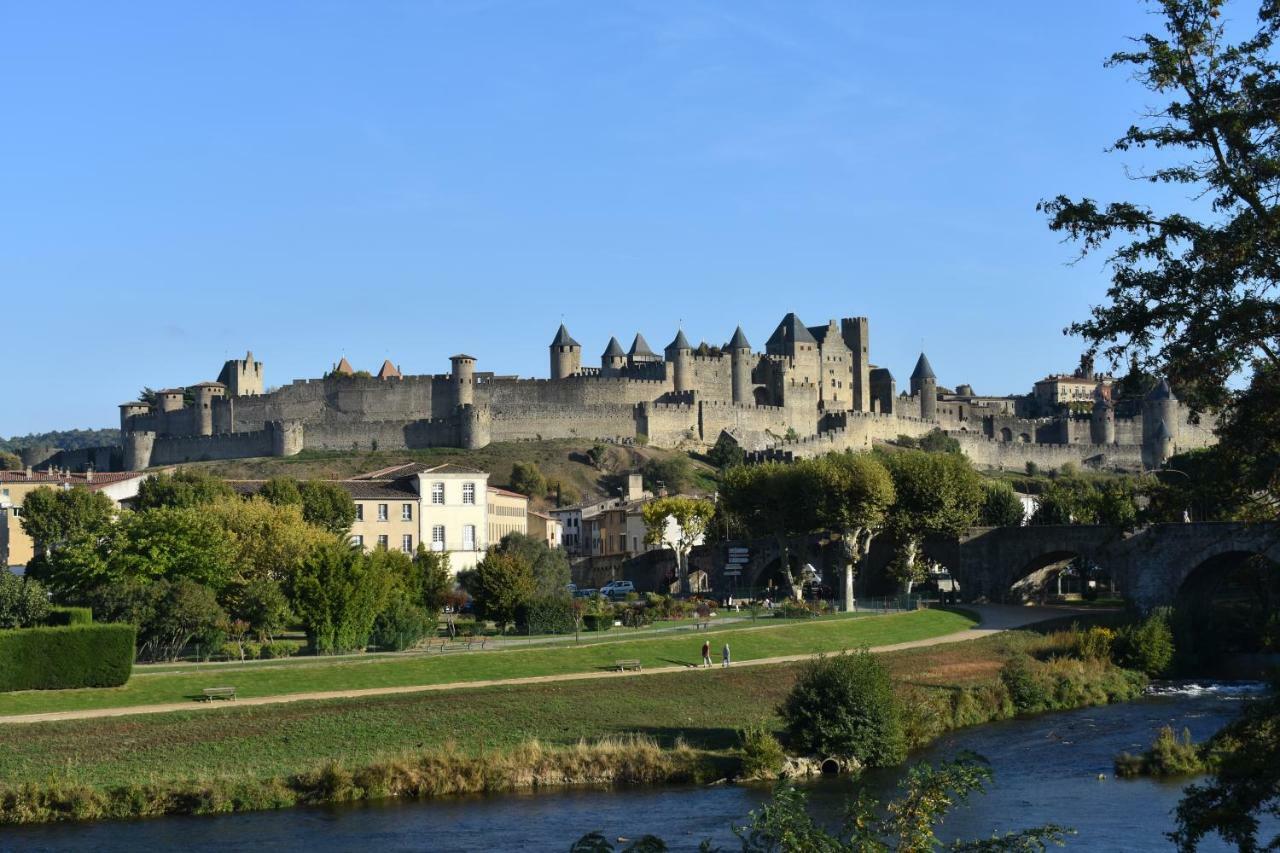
995, 618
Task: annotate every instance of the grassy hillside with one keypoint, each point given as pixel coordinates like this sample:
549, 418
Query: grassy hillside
562, 460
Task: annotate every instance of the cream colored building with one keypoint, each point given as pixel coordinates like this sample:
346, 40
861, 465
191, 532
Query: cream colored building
16, 548
508, 512
546, 528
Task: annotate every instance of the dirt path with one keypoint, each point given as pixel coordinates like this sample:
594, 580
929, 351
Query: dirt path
995, 618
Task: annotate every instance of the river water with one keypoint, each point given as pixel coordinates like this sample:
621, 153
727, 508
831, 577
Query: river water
1047, 770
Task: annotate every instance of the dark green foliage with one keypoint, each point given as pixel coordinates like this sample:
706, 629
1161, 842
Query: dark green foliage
597, 454
66, 657
262, 604
401, 625
66, 439
1146, 647
934, 441
281, 491
726, 453
599, 621
9, 461
1027, 691
337, 594
762, 755
547, 615
429, 581
328, 506
23, 601
1168, 756
550, 565
844, 705
57, 518
527, 479
69, 616
182, 611
499, 585
673, 474
187, 487
1001, 506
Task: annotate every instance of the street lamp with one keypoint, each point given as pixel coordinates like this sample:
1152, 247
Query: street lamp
1190, 509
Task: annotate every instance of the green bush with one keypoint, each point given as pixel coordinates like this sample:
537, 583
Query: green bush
69, 616
1096, 643
401, 625
1147, 646
23, 601
844, 705
281, 649
597, 621
762, 755
547, 615
792, 609
1027, 690
66, 657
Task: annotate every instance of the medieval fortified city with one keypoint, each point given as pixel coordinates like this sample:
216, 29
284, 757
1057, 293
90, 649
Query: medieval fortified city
987, 583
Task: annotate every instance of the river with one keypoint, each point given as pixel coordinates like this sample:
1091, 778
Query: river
1047, 770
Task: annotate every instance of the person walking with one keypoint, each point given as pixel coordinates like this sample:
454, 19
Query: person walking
724, 655
706, 653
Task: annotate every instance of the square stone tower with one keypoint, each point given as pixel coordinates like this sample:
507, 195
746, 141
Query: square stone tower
242, 378
856, 332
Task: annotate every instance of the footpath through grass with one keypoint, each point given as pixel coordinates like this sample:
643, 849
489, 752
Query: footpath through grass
352, 674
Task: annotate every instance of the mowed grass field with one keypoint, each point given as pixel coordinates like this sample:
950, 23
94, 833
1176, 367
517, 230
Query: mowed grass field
747, 643
704, 708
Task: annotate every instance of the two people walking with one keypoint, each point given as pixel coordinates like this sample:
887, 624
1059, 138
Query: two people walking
706, 654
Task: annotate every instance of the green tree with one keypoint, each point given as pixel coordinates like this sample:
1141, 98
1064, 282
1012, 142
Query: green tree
337, 594
9, 461
172, 543
527, 479
856, 492
281, 491
776, 500
550, 565
1001, 506
432, 579
938, 494
500, 584
1066, 501
726, 452
53, 518
327, 506
23, 601
672, 473
187, 487
691, 517
261, 603
179, 611
844, 705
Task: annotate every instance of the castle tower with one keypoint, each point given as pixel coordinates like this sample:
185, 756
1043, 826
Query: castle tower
1102, 420
925, 384
566, 355
613, 359
170, 399
286, 437
138, 447
130, 410
680, 355
856, 332
640, 352
463, 378
1159, 406
242, 378
206, 394
474, 426
740, 356
1159, 449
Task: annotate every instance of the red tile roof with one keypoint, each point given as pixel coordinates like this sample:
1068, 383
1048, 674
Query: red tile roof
96, 481
497, 491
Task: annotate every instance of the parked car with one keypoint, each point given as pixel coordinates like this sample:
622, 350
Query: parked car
618, 589
586, 593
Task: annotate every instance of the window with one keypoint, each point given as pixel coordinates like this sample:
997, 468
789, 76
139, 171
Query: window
437, 493
382, 512
406, 543
437, 537
406, 512
382, 542
468, 537
468, 493
359, 512
357, 540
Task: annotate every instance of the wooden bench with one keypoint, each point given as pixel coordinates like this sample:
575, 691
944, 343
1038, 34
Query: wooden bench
624, 665
210, 693
473, 641
702, 625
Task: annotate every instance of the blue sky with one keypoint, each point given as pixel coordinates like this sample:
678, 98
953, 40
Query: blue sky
180, 182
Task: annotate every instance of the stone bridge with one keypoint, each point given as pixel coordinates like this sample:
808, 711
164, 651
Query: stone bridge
1149, 565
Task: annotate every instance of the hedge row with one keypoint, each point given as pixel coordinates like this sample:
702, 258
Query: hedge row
63, 657
69, 616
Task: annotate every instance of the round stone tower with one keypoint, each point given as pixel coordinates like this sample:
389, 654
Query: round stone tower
463, 377
170, 399
680, 355
740, 362
566, 355
1102, 420
613, 359
131, 410
474, 426
925, 384
1159, 424
286, 437
206, 394
138, 447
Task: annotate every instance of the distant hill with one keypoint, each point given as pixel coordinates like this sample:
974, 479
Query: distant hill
64, 439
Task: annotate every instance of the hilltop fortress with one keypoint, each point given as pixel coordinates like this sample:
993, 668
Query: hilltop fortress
812, 389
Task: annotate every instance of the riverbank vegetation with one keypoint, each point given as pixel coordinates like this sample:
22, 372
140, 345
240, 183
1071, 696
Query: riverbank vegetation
174, 762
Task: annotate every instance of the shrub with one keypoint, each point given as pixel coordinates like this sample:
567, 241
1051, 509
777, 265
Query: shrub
597, 621
1168, 756
23, 601
844, 705
547, 615
527, 479
400, 625
69, 616
66, 657
1147, 646
762, 755
1095, 643
792, 609
281, 649
1027, 691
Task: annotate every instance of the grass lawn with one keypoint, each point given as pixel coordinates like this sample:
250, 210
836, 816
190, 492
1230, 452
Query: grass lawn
747, 644
705, 708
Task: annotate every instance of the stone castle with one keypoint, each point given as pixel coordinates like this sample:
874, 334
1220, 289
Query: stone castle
812, 389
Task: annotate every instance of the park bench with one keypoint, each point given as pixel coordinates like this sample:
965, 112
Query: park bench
476, 641
702, 625
624, 665
210, 693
